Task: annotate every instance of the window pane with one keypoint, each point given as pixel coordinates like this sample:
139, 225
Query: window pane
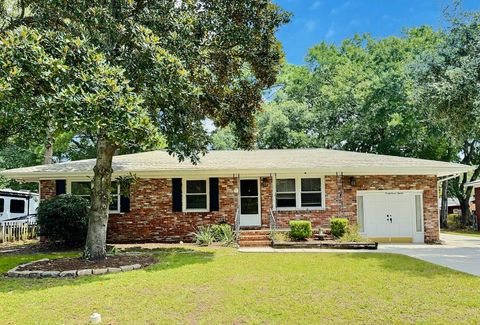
286, 200
249, 205
285, 185
360, 217
114, 203
196, 201
418, 212
81, 188
249, 187
114, 188
17, 206
311, 199
311, 185
197, 186
2, 205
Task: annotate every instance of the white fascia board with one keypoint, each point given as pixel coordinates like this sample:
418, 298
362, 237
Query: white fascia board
348, 171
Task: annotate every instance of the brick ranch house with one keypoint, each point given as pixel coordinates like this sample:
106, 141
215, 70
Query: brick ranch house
390, 198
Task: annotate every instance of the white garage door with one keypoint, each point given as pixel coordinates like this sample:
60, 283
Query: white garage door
391, 216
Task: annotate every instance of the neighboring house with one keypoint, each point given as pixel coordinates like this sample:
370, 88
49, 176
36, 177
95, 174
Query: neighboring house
476, 186
15, 205
454, 205
391, 198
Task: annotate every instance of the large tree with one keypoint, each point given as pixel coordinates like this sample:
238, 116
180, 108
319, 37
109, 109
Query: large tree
447, 82
126, 73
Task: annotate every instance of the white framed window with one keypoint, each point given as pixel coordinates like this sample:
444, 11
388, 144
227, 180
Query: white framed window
285, 195
195, 195
299, 193
2, 205
83, 189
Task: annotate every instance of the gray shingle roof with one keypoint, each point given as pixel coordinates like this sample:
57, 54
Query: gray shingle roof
250, 162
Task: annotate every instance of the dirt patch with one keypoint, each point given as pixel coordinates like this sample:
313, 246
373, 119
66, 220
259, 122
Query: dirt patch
33, 247
65, 264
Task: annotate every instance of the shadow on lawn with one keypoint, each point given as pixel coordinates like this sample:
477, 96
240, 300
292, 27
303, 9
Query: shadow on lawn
405, 264
175, 257
168, 258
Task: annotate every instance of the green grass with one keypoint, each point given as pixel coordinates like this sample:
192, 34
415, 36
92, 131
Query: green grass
464, 232
223, 286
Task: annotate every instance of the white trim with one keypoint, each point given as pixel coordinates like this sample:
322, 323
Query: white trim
83, 180
184, 194
259, 198
298, 192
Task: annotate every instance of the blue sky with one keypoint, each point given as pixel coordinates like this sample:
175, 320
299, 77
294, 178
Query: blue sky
334, 20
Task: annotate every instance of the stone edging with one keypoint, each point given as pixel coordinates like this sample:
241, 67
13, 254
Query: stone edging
66, 274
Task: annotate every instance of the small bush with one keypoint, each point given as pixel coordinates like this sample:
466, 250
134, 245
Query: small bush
352, 235
64, 219
338, 226
204, 236
454, 221
300, 229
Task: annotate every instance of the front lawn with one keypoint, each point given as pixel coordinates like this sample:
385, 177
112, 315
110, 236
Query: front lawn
223, 286
464, 232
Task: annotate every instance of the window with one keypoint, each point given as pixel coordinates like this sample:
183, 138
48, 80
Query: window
418, 213
196, 195
360, 213
83, 189
17, 206
2, 205
285, 193
299, 193
311, 194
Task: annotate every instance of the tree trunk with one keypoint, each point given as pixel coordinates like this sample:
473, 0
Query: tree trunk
466, 213
444, 207
95, 247
48, 156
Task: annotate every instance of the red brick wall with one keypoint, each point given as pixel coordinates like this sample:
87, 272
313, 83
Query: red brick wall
320, 218
477, 204
151, 218
47, 189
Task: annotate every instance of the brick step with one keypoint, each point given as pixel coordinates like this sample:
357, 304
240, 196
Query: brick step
254, 243
255, 232
254, 237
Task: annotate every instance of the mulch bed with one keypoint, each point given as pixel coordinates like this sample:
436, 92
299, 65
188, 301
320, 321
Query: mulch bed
65, 264
325, 244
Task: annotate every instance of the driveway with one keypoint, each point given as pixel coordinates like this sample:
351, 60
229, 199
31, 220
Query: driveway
460, 253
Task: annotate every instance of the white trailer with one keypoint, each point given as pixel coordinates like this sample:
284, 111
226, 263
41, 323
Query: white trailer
18, 205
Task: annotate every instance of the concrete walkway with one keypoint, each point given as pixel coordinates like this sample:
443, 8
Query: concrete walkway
461, 253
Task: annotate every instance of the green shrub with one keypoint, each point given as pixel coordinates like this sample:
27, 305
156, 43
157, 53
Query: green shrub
454, 221
204, 236
300, 229
64, 219
224, 234
338, 226
352, 235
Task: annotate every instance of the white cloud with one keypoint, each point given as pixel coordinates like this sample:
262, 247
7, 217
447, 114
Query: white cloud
330, 32
316, 5
310, 25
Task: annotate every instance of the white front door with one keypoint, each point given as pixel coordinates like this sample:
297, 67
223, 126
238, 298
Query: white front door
250, 203
390, 216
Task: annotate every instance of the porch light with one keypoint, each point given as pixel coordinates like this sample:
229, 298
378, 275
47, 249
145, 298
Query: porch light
353, 181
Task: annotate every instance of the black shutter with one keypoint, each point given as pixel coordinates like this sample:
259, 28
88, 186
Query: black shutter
214, 195
60, 186
124, 203
176, 194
